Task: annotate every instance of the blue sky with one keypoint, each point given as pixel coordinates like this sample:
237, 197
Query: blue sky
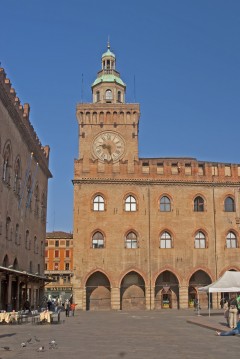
184, 56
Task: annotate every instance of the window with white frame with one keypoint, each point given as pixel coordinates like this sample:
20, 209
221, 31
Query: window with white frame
130, 204
200, 240
131, 240
98, 203
231, 240
166, 240
98, 240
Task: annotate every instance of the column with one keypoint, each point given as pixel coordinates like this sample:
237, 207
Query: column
115, 298
9, 294
183, 297
1, 304
150, 298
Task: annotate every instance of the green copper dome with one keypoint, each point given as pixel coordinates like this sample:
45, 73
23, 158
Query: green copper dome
108, 78
108, 53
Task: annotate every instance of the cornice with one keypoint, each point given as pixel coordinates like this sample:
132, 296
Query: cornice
146, 182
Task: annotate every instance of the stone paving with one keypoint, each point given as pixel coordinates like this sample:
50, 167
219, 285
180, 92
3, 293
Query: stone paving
129, 335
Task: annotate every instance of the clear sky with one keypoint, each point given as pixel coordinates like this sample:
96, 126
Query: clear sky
182, 55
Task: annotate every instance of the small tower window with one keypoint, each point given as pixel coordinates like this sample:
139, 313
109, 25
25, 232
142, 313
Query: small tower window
97, 96
119, 96
108, 95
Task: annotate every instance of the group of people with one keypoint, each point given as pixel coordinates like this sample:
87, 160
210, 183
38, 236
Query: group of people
68, 306
231, 309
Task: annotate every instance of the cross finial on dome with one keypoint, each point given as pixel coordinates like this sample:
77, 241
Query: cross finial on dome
108, 43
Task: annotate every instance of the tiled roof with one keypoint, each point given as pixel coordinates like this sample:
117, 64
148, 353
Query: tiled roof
59, 235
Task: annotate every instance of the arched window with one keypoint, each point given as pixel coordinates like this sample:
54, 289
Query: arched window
109, 95
98, 203
130, 204
29, 192
35, 245
6, 164
131, 240
36, 199
43, 206
8, 229
26, 239
17, 234
98, 240
165, 204
198, 204
200, 240
17, 176
231, 240
229, 205
166, 240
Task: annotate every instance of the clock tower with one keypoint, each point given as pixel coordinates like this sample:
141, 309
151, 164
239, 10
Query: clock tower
108, 127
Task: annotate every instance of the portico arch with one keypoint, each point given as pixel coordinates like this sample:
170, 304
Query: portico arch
132, 292
167, 290
98, 292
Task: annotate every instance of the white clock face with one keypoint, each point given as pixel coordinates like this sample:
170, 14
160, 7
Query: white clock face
108, 146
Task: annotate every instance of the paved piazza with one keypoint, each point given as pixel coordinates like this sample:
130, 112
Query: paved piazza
128, 335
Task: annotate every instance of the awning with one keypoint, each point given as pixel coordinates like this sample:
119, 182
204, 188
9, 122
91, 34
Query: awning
25, 274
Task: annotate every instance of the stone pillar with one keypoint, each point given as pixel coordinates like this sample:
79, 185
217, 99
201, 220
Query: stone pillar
183, 297
17, 293
150, 300
115, 298
1, 304
9, 294
79, 295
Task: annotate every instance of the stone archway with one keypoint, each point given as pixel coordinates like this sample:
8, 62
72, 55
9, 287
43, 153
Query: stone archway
98, 292
166, 291
132, 293
199, 279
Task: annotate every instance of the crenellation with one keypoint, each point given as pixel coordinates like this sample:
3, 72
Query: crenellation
23, 112
148, 168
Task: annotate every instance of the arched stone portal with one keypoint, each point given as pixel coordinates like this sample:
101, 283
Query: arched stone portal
199, 279
166, 291
98, 292
132, 292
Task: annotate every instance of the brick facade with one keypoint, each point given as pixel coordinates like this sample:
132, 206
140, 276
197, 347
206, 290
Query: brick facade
23, 202
147, 231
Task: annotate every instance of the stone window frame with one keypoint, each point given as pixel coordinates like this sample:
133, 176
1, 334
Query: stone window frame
98, 203
200, 237
231, 237
131, 240
163, 203
166, 237
98, 240
197, 205
229, 207
130, 201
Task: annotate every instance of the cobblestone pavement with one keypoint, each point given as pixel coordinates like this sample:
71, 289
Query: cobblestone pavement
114, 335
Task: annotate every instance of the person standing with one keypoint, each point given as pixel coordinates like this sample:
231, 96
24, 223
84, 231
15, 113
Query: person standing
233, 311
73, 306
67, 307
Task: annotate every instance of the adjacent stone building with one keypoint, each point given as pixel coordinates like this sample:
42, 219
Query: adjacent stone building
147, 231
58, 265
23, 203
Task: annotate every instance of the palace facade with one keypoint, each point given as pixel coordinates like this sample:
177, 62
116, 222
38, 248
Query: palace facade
147, 231
58, 265
23, 203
